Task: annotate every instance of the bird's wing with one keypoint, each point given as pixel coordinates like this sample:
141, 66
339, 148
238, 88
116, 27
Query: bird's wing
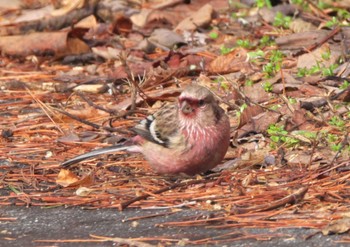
160, 126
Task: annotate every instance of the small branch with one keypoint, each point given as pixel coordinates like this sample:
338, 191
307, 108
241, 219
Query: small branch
125, 204
330, 35
92, 104
96, 126
290, 199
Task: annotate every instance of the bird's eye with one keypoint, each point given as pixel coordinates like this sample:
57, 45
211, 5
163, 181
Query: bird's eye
201, 102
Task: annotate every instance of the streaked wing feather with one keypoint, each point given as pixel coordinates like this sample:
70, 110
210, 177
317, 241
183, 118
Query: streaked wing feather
160, 126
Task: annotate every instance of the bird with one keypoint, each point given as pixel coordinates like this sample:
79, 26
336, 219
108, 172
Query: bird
190, 136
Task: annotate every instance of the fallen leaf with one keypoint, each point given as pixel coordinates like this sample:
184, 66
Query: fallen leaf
165, 38
122, 24
231, 62
65, 178
298, 41
315, 58
249, 113
199, 19
140, 19
67, 7
298, 25
49, 43
87, 22
83, 191
338, 226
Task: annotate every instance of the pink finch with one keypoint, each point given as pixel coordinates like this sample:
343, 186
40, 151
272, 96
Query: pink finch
191, 136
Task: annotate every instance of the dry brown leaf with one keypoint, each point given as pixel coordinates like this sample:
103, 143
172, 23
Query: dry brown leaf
259, 123
86, 112
201, 18
140, 19
249, 113
231, 62
68, 6
256, 93
298, 41
122, 24
165, 38
314, 58
49, 43
84, 182
298, 25
338, 226
66, 178
33, 14
87, 22
108, 53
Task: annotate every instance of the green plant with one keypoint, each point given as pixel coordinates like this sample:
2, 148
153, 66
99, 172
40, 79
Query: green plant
322, 5
275, 107
265, 41
281, 20
276, 56
222, 82
302, 3
331, 138
307, 134
332, 23
213, 35
336, 147
263, 3
279, 135
311, 71
337, 122
329, 71
241, 109
326, 55
314, 69
245, 43
274, 64
256, 54
342, 13
292, 100
225, 50
249, 83
267, 86
269, 69
302, 72
344, 85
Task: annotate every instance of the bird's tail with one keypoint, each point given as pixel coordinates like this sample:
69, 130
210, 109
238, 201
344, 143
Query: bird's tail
106, 150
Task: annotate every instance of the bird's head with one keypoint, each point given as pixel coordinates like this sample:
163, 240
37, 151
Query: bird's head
198, 104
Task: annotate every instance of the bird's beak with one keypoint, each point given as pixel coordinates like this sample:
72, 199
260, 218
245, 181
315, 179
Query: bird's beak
186, 108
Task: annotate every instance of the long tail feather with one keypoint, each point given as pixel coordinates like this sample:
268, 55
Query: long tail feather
94, 153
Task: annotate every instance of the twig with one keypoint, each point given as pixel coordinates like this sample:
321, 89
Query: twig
125, 204
96, 126
324, 40
44, 108
92, 104
290, 199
